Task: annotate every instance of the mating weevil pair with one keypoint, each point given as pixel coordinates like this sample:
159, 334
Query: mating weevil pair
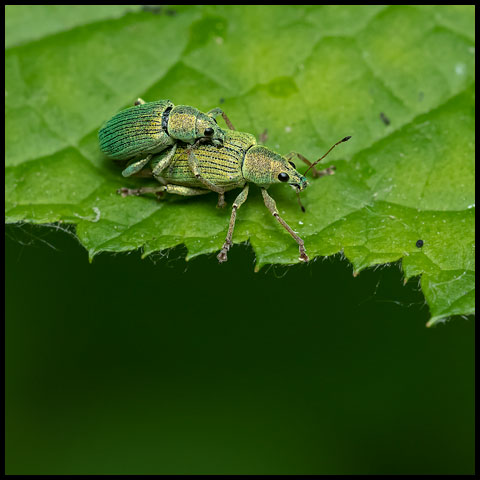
190, 155
139, 132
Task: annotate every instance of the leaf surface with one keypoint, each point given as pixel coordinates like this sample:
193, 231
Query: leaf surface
399, 79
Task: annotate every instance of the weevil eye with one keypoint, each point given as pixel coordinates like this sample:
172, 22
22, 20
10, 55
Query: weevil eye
283, 177
293, 165
208, 132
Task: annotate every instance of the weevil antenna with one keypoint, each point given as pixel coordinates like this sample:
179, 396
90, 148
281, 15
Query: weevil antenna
331, 148
300, 202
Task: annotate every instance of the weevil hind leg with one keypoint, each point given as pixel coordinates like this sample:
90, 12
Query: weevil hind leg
271, 205
316, 173
139, 101
215, 112
136, 166
127, 192
159, 191
242, 196
147, 173
185, 191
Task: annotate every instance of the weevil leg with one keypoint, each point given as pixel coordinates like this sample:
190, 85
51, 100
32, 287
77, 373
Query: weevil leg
146, 173
185, 191
194, 167
139, 101
221, 201
271, 205
135, 167
242, 196
316, 173
164, 162
263, 137
176, 189
218, 111
126, 192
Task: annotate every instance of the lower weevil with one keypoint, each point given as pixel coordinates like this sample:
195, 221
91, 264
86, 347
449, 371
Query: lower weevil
239, 162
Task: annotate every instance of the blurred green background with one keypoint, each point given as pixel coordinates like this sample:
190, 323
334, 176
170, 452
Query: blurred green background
126, 366
161, 366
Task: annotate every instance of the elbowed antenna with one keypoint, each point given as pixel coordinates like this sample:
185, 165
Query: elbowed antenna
300, 202
331, 148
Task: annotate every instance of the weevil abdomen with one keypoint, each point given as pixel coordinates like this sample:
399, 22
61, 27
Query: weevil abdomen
138, 130
222, 166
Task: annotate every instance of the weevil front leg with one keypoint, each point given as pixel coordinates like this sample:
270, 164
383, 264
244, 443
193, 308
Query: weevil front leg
222, 256
161, 165
271, 205
215, 112
164, 162
195, 168
316, 173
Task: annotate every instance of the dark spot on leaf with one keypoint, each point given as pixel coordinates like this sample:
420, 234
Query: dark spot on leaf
384, 118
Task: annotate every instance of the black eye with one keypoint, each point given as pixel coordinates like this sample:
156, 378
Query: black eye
283, 177
208, 131
293, 165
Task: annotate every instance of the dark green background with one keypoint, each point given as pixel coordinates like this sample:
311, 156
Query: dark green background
131, 366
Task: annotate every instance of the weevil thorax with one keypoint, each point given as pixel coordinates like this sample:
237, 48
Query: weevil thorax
263, 167
188, 124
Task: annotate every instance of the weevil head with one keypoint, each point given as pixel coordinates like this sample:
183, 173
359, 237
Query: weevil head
207, 128
188, 125
264, 167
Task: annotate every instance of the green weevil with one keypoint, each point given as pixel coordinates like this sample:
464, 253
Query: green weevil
139, 132
239, 162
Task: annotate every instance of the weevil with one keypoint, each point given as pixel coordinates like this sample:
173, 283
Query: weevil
147, 128
238, 163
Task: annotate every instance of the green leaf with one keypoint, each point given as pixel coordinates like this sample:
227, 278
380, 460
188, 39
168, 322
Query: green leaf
399, 79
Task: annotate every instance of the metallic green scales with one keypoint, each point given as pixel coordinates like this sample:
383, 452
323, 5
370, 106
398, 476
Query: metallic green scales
234, 161
136, 131
222, 166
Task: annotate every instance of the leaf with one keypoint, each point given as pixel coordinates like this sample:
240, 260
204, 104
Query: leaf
399, 79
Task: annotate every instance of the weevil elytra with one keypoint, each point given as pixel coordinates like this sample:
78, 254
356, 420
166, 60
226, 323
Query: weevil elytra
239, 162
139, 132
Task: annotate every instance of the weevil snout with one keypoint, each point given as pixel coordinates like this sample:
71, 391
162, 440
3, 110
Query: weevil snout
298, 182
218, 142
207, 128
290, 175
303, 183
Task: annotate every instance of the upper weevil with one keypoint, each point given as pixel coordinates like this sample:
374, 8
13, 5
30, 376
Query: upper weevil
139, 132
239, 162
